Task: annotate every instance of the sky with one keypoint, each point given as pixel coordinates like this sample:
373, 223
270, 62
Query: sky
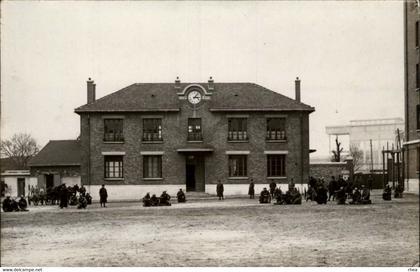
349, 56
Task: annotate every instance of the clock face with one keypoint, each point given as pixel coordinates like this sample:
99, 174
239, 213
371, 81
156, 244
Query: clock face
194, 97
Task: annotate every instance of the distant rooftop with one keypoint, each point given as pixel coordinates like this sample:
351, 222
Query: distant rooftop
58, 153
345, 129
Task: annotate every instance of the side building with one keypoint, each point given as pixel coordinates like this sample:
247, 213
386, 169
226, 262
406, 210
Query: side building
150, 137
412, 95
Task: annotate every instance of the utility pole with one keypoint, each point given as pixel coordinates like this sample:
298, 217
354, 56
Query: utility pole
371, 157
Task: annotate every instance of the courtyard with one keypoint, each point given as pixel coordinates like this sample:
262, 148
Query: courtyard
207, 232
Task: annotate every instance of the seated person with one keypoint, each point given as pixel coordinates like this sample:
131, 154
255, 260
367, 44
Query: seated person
340, 196
295, 196
387, 193
23, 205
164, 199
14, 205
399, 191
154, 201
82, 202
365, 196
321, 194
356, 197
181, 196
88, 199
7, 204
265, 196
278, 195
147, 201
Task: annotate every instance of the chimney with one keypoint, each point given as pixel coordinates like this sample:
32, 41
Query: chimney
297, 89
91, 91
177, 83
211, 84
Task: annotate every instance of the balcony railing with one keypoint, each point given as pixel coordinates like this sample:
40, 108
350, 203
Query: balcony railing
195, 136
113, 137
276, 135
237, 136
147, 136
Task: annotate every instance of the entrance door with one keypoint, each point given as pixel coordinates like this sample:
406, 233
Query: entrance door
49, 181
190, 175
20, 186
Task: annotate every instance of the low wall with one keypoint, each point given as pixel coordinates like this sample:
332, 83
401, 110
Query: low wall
412, 186
327, 169
242, 189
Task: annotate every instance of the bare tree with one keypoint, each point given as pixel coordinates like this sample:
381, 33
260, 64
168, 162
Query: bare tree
357, 155
20, 148
337, 153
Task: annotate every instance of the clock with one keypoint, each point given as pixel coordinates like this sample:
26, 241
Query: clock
194, 97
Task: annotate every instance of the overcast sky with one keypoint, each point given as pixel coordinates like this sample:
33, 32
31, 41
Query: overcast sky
349, 56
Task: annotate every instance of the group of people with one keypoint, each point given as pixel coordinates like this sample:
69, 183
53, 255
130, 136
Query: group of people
11, 205
163, 200
292, 196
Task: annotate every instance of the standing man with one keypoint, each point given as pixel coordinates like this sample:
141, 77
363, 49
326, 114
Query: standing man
219, 190
103, 196
251, 190
64, 196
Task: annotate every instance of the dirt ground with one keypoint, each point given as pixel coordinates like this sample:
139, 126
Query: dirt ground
233, 232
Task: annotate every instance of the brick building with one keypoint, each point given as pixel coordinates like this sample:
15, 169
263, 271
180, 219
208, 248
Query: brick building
164, 136
412, 95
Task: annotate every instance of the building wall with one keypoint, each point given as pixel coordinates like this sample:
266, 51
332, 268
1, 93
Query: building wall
412, 95
12, 184
328, 169
174, 131
70, 175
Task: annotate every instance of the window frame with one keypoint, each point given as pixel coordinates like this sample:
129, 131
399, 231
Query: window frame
154, 173
272, 171
117, 137
154, 134
119, 166
194, 135
242, 167
241, 134
279, 135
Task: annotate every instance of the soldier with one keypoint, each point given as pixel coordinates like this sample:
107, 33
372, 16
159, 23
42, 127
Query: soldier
82, 190
321, 194
63, 196
181, 196
340, 196
278, 195
164, 199
398, 193
387, 193
356, 197
146, 200
272, 186
296, 197
103, 196
7, 204
219, 190
251, 190
365, 196
265, 196
332, 187
23, 205
82, 202
88, 199
154, 201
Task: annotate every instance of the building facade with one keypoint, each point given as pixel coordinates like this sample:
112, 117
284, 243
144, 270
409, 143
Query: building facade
165, 136
370, 137
412, 95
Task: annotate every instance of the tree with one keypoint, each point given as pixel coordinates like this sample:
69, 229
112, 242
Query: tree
357, 155
20, 149
337, 153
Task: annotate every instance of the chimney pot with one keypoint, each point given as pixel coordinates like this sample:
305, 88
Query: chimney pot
297, 89
91, 91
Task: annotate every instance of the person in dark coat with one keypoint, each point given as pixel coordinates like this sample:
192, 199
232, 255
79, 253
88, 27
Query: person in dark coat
296, 197
88, 199
103, 196
265, 196
146, 200
181, 196
356, 197
82, 190
272, 186
340, 196
321, 195
164, 199
14, 205
219, 190
154, 201
278, 195
82, 202
398, 193
332, 187
7, 204
251, 190
23, 204
387, 193
365, 196
64, 196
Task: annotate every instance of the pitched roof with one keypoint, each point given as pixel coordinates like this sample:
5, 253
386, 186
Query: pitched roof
163, 97
58, 153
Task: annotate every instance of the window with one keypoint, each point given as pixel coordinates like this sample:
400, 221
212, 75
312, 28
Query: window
237, 129
417, 36
113, 166
113, 130
418, 116
194, 129
276, 165
276, 129
152, 166
417, 76
237, 166
152, 129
